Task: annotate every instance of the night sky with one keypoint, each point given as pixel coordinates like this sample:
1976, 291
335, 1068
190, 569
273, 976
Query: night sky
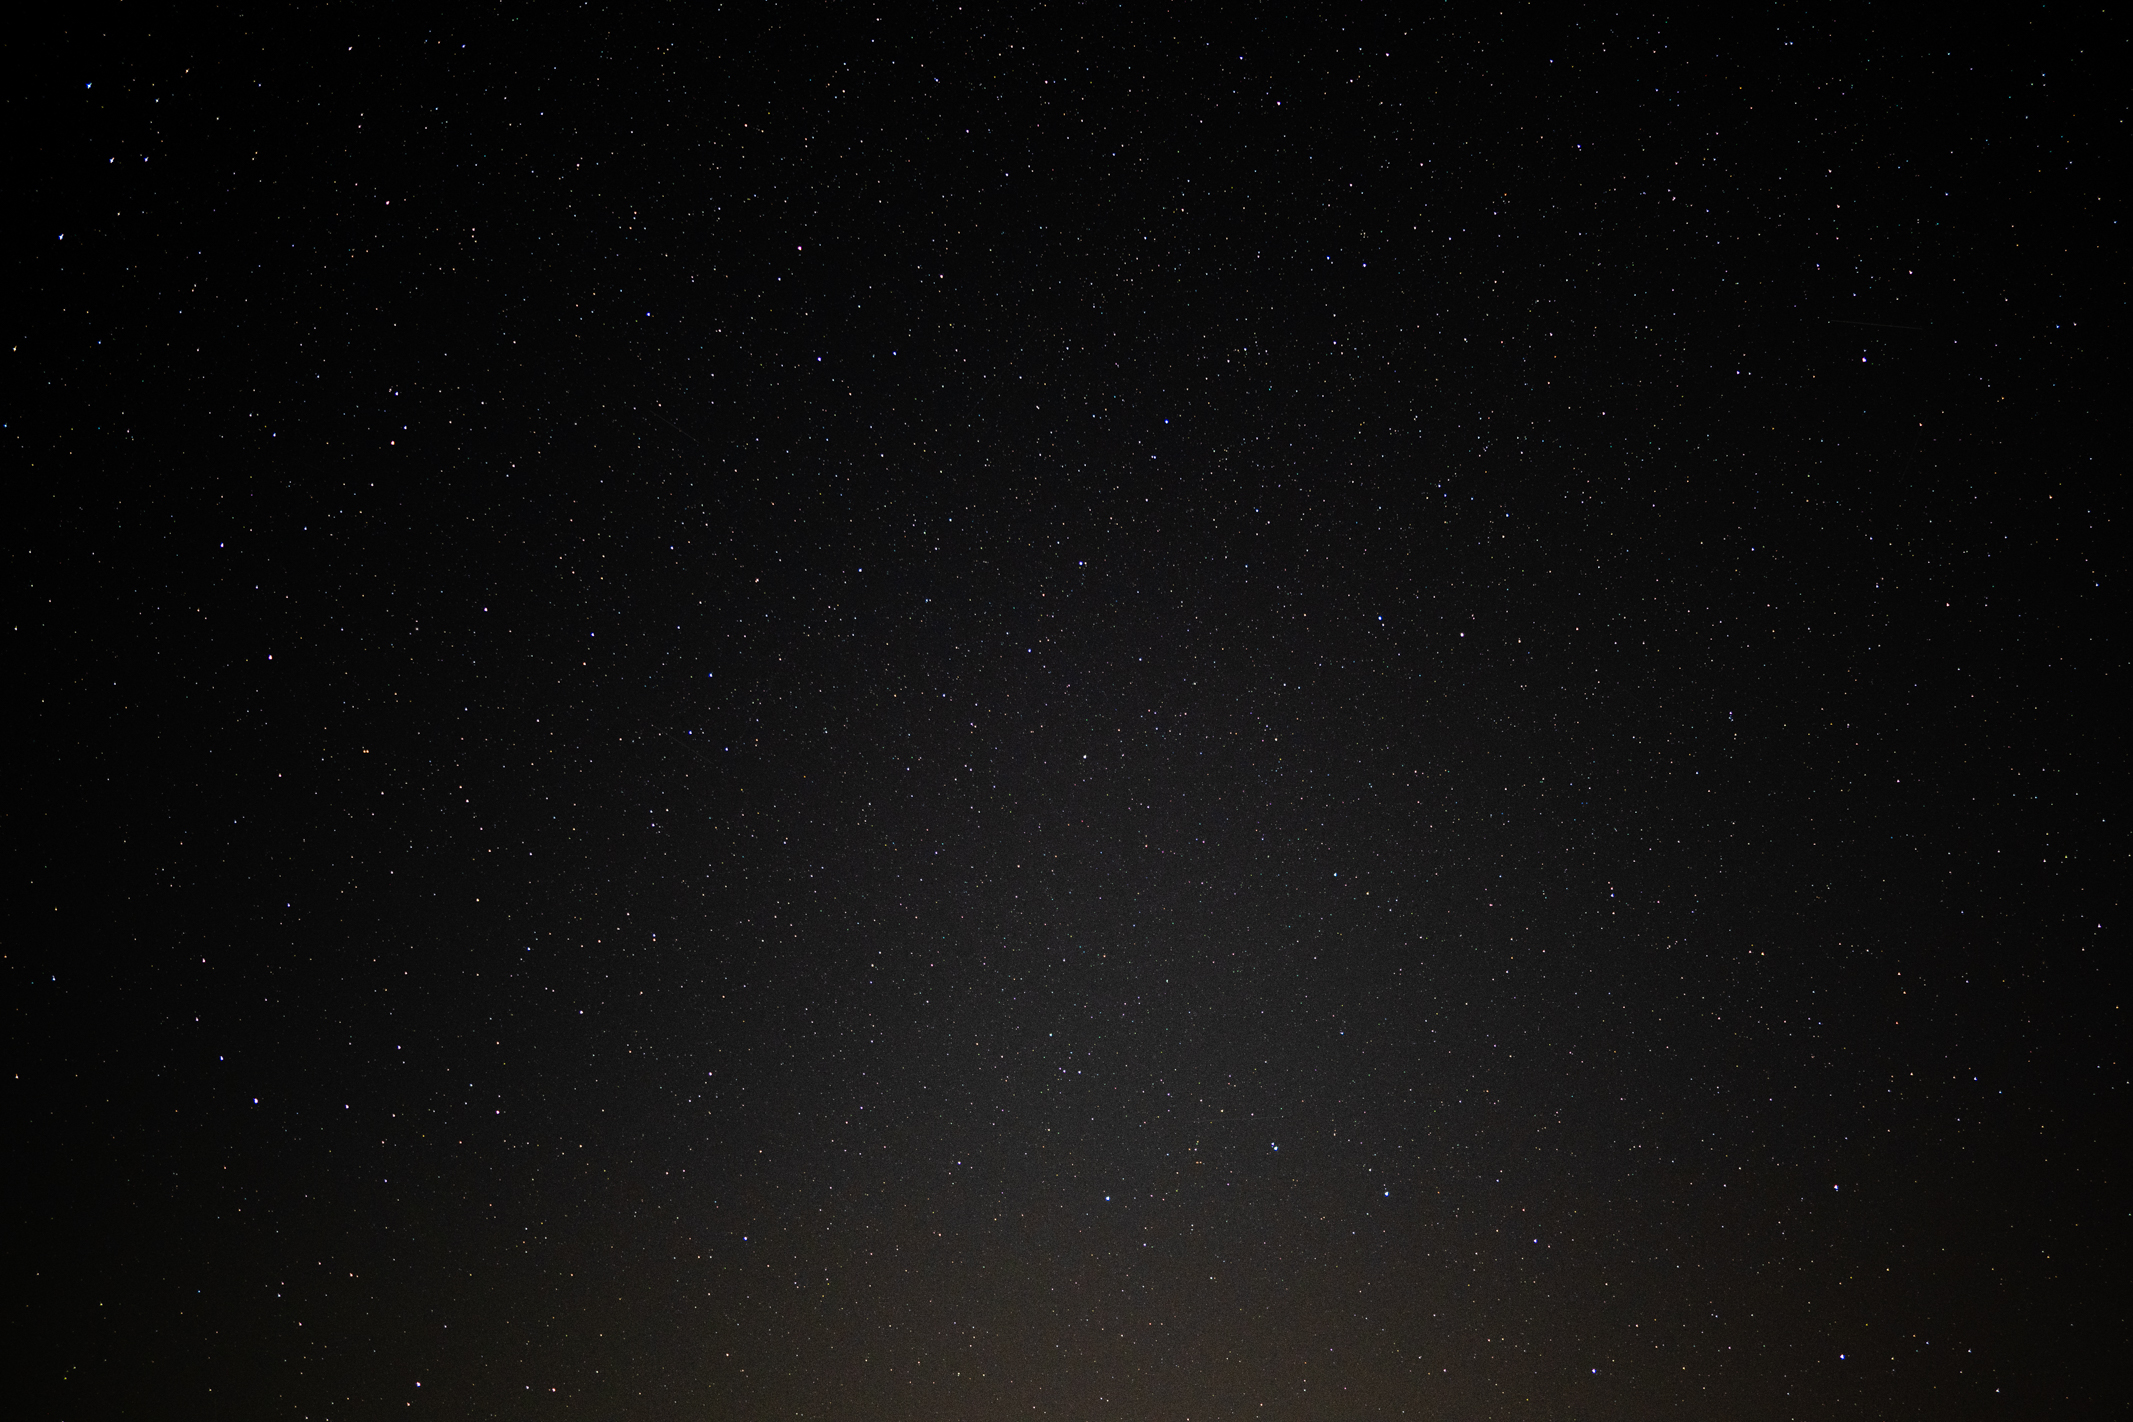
1066, 713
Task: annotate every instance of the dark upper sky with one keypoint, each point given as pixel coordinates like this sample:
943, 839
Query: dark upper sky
1066, 715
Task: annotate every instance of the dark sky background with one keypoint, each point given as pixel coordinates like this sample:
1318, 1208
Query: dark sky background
1066, 714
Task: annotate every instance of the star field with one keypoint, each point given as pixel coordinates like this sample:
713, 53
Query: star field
1067, 715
